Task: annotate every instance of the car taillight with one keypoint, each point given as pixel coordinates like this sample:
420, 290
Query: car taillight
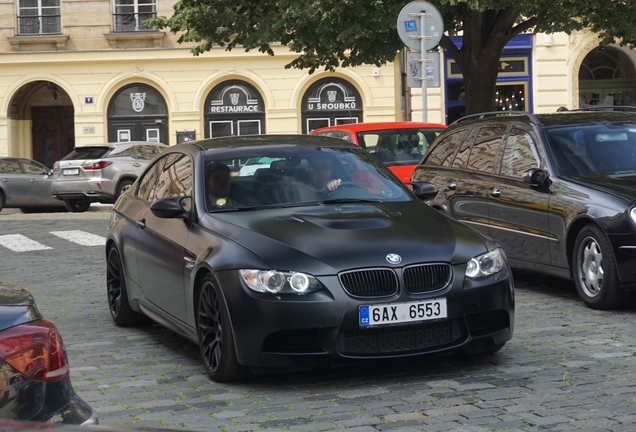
96, 165
35, 350
56, 167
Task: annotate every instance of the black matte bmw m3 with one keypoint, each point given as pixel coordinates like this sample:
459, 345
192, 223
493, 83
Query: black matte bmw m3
317, 256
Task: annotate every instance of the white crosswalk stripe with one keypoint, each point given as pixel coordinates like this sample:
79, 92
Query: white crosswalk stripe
81, 237
20, 243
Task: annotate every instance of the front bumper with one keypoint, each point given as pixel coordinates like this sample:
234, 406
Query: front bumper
304, 331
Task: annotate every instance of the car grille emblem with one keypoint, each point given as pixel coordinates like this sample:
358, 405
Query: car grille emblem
394, 258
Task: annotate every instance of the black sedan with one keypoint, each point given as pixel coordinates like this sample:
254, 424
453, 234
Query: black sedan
321, 256
557, 191
35, 383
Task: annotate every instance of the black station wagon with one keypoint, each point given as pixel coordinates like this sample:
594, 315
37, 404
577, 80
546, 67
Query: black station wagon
557, 191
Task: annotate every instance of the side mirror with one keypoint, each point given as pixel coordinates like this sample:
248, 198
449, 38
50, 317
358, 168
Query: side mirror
423, 190
536, 177
173, 207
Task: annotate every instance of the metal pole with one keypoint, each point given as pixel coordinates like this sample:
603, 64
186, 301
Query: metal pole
423, 65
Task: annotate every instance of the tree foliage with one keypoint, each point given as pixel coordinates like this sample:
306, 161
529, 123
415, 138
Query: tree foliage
341, 33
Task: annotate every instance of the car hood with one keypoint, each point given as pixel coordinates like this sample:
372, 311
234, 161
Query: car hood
17, 306
326, 239
619, 184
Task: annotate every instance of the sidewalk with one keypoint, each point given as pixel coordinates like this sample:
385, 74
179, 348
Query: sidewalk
95, 207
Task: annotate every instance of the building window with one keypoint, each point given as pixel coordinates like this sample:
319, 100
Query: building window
38, 17
129, 15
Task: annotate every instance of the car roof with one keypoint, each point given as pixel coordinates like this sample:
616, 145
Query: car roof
562, 118
374, 126
295, 140
121, 144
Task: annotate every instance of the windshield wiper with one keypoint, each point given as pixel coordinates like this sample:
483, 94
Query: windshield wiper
351, 200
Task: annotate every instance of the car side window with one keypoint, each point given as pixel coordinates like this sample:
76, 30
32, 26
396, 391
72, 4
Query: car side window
33, 167
145, 152
9, 167
175, 179
461, 160
444, 151
484, 151
148, 181
519, 154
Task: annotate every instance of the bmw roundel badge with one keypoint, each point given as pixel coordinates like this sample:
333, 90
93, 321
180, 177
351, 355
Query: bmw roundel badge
394, 258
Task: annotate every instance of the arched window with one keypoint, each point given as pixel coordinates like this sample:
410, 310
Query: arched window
234, 108
330, 102
137, 112
606, 77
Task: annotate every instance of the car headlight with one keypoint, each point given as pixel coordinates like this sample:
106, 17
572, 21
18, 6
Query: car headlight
486, 264
274, 281
632, 215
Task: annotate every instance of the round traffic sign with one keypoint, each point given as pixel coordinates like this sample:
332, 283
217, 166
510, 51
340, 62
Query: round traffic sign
409, 24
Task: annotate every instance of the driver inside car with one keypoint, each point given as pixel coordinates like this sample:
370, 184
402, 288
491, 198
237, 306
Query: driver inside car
218, 187
321, 178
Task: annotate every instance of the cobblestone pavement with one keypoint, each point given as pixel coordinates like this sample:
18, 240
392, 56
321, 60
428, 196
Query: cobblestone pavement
568, 367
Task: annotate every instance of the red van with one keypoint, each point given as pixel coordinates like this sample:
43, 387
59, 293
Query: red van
399, 145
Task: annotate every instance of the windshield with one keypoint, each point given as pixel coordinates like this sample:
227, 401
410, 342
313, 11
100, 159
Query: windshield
591, 149
398, 146
297, 176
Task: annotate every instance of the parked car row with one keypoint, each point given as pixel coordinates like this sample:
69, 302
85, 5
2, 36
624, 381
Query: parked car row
556, 191
90, 173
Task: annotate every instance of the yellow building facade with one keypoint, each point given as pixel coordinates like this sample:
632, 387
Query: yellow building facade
78, 72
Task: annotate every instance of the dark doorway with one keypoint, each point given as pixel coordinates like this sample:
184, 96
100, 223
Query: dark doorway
52, 133
138, 112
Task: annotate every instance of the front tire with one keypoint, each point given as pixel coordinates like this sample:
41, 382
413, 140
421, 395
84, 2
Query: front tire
216, 339
77, 205
595, 273
118, 302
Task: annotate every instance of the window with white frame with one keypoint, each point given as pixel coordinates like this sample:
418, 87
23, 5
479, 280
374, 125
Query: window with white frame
129, 15
37, 17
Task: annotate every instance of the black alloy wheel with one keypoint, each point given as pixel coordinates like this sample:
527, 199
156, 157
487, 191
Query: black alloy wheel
77, 205
118, 303
216, 340
595, 273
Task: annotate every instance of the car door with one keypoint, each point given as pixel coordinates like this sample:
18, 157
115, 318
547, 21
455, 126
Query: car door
467, 190
15, 184
519, 219
160, 242
39, 182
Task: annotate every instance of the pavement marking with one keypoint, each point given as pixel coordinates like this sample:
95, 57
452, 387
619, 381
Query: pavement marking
81, 237
20, 243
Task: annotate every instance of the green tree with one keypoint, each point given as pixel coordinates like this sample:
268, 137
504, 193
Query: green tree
341, 33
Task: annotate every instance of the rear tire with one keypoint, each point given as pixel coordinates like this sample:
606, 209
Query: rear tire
123, 186
216, 340
594, 270
77, 205
118, 302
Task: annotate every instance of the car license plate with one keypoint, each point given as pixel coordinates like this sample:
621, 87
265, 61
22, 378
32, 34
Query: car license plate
397, 313
70, 171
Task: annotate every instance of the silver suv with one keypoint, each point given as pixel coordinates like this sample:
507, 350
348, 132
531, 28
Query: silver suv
100, 172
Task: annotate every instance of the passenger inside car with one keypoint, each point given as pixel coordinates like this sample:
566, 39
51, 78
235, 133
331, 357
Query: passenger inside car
219, 185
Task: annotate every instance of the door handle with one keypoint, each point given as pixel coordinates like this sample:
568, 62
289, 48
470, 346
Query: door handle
5, 180
141, 223
494, 192
33, 181
136, 164
451, 185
